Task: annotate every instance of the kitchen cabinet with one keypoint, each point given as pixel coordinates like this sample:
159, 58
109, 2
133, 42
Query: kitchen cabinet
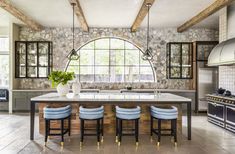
203, 50
21, 99
33, 59
180, 60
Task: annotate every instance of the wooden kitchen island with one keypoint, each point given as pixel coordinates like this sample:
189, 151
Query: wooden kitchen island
110, 100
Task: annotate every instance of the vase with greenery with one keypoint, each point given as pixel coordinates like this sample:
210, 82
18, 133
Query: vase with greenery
60, 80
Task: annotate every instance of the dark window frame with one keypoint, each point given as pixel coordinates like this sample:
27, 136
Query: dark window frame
109, 65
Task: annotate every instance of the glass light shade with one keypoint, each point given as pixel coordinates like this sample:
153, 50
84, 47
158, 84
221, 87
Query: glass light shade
73, 55
147, 55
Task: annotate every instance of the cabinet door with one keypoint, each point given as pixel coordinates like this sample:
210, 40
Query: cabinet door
216, 110
204, 50
220, 111
211, 109
21, 103
20, 59
230, 114
43, 57
32, 59
175, 60
186, 61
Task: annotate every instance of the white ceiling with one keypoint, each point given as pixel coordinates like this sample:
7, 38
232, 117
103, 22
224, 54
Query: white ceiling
112, 13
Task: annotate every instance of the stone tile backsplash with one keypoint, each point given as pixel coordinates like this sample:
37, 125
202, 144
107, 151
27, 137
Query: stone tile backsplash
159, 37
227, 78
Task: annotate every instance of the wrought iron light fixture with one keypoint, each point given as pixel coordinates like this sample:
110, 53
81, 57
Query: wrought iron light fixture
148, 53
73, 55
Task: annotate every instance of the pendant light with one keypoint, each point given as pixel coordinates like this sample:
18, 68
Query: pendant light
148, 53
73, 55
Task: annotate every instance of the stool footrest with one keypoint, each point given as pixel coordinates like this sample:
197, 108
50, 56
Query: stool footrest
56, 134
128, 134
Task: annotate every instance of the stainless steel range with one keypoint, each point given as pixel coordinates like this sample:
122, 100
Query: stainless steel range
221, 111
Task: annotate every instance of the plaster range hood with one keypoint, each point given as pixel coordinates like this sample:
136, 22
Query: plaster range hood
223, 54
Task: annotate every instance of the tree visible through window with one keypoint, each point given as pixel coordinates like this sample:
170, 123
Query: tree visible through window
111, 60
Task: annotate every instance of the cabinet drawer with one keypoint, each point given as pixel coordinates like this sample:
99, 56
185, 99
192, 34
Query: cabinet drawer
230, 115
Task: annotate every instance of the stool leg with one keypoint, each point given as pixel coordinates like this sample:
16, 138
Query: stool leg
159, 132
81, 131
102, 130
116, 130
172, 129
151, 127
69, 125
119, 131
137, 132
46, 131
62, 132
175, 131
98, 131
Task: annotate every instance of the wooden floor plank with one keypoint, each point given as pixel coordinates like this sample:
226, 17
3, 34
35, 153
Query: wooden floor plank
206, 139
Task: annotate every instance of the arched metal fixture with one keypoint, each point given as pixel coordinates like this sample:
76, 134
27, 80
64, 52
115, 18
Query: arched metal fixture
73, 55
148, 53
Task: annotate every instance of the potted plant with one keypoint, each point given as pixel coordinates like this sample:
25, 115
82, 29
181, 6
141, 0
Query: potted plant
60, 80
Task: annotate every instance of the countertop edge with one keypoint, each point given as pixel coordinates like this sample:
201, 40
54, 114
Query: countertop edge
142, 90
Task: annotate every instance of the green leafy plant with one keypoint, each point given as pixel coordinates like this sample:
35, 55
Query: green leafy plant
57, 77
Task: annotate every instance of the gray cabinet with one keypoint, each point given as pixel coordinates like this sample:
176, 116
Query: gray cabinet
21, 99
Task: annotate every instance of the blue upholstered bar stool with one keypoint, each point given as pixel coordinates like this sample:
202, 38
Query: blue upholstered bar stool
96, 114
61, 113
160, 114
127, 114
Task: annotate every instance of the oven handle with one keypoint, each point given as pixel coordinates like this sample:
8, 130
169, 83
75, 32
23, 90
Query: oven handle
232, 108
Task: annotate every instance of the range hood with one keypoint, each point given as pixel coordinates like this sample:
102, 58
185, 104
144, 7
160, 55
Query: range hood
223, 53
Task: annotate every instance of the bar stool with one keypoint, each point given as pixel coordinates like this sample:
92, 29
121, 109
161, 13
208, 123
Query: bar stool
164, 114
61, 113
95, 114
127, 114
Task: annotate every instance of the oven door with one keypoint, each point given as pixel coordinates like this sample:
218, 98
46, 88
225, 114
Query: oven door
230, 115
216, 110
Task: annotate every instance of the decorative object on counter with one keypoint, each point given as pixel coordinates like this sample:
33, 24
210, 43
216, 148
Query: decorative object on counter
128, 87
221, 91
180, 60
33, 59
148, 53
76, 86
60, 79
228, 93
73, 55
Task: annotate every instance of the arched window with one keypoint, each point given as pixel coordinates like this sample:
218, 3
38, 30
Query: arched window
111, 60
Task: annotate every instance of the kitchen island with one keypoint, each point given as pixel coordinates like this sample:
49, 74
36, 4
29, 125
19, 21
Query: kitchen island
109, 100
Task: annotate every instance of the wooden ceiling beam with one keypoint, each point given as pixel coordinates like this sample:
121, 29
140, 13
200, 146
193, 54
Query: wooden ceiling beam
6, 5
141, 15
80, 15
214, 7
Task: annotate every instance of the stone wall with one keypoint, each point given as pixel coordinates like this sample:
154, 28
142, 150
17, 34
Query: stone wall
62, 43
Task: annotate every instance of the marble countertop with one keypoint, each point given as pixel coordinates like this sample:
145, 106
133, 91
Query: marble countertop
107, 91
111, 97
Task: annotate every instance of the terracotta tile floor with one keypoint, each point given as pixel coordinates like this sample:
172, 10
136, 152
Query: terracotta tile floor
206, 139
